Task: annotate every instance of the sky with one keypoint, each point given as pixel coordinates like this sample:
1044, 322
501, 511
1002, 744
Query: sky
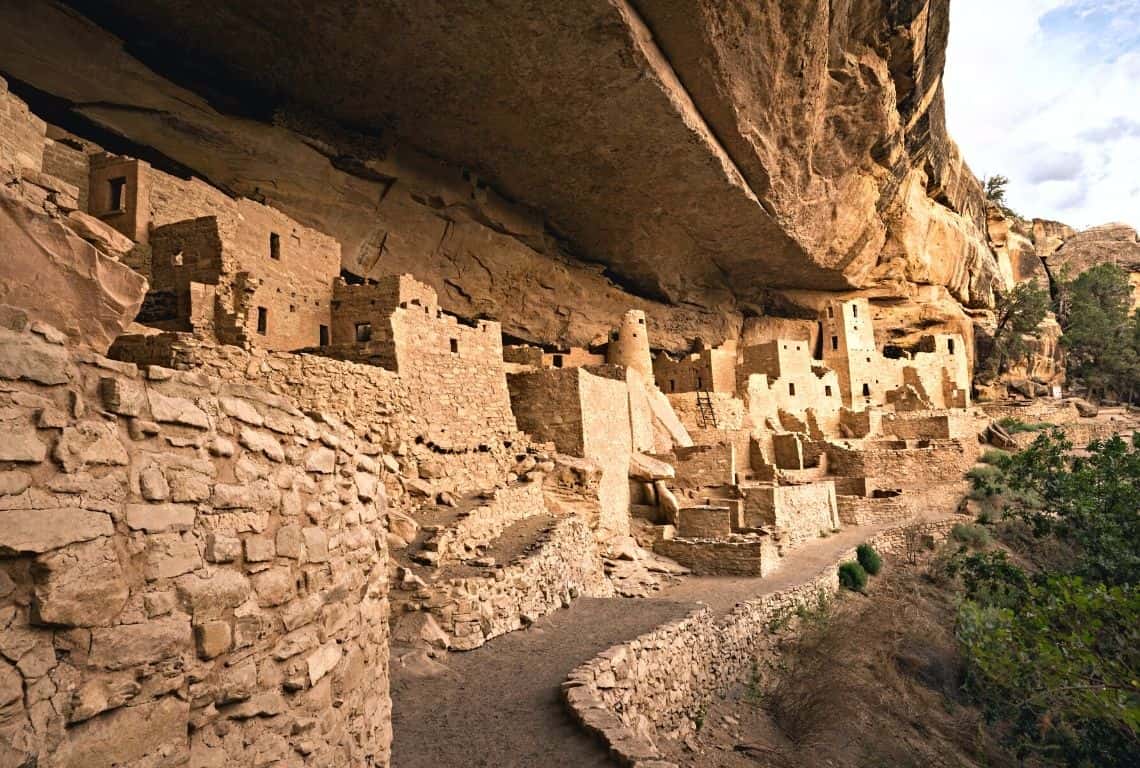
1047, 92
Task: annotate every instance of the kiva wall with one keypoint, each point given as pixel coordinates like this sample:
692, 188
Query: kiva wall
190, 572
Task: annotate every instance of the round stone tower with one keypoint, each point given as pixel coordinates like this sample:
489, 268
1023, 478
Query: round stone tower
630, 345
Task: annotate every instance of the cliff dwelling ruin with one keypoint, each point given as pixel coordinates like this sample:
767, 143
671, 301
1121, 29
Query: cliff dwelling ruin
324, 373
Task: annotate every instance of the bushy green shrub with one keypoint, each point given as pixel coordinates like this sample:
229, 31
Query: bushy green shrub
994, 456
970, 534
852, 576
869, 559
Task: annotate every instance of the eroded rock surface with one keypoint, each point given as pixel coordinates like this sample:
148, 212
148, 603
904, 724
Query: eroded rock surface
673, 161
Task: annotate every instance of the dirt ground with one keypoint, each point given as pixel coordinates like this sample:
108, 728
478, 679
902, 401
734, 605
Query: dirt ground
500, 706
872, 681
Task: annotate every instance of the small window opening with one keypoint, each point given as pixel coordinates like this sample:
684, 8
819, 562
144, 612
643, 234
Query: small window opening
262, 320
791, 389
950, 345
324, 335
830, 312
672, 385
292, 307
364, 332
866, 390
118, 198
827, 390
274, 246
835, 342
854, 310
455, 346
641, 321
176, 259
557, 360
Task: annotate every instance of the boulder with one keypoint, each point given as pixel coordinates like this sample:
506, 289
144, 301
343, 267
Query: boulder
648, 469
1086, 409
57, 277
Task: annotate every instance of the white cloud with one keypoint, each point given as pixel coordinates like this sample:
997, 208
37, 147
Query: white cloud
1047, 92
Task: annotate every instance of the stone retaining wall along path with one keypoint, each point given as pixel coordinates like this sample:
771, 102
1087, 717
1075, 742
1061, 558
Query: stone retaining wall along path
661, 681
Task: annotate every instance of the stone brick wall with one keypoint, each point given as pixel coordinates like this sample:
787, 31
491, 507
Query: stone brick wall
799, 512
563, 565
701, 465
485, 523
866, 510
662, 681
21, 133
70, 164
941, 462
752, 556
454, 374
190, 571
917, 425
548, 407
370, 400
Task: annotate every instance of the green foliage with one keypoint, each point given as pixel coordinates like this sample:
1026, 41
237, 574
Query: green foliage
994, 456
1054, 654
1090, 502
1019, 314
994, 188
852, 576
868, 558
970, 534
1101, 340
1060, 667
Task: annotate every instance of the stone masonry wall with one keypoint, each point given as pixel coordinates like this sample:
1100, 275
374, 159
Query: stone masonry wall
661, 681
191, 572
942, 462
372, 401
21, 133
563, 566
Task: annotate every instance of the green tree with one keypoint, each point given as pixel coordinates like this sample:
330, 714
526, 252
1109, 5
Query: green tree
1019, 314
994, 189
1054, 654
1098, 334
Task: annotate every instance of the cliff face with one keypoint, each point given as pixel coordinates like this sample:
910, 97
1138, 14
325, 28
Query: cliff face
553, 164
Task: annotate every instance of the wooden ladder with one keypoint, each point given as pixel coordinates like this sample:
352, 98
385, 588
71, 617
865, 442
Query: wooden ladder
706, 414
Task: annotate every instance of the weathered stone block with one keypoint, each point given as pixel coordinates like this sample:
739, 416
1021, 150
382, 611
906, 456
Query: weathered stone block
171, 554
176, 410
90, 442
274, 587
159, 518
80, 586
222, 549
213, 638
34, 531
132, 645
127, 734
321, 460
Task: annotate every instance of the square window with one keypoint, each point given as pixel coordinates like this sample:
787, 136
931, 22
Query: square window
827, 390
455, 346
364, 332
557, 360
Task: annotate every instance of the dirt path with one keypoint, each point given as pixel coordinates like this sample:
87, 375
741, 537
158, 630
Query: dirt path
501, 708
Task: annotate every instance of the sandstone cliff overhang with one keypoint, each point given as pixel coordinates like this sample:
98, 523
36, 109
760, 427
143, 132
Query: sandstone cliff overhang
697, 153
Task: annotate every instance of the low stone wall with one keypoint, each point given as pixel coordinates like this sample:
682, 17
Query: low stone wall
663, 680
485, 523
1042, 410
563, 565
940, 462
864, 510
190, 572
751, 556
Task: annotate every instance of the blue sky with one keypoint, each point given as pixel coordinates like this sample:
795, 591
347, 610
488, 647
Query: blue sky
1047, 92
